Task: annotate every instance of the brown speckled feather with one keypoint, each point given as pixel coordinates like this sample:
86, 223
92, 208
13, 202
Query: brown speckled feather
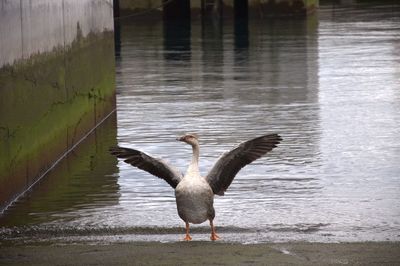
154, 166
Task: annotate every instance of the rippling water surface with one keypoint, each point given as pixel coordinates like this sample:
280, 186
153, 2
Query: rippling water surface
330, 86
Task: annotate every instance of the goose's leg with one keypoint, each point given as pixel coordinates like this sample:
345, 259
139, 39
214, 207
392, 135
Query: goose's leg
214, 235
187, 237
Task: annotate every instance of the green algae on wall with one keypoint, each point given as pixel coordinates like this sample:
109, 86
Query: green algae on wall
74, 181
48, 103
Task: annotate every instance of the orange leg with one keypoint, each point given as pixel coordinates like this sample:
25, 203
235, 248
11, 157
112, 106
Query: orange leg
214, 235
187, 237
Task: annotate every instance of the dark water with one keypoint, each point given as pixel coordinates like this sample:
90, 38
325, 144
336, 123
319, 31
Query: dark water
329, 85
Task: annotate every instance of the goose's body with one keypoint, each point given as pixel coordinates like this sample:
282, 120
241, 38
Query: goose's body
194, 193
194, 200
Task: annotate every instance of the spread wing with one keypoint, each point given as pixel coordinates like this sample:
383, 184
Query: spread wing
229, 164
154, 166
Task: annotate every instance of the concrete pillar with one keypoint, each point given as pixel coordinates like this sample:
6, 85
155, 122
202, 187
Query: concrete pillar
225, 8
176, 10
271, 8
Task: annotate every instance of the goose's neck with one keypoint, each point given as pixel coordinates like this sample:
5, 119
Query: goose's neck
193, 169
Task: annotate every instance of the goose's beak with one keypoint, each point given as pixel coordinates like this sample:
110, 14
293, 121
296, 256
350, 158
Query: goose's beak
179, 138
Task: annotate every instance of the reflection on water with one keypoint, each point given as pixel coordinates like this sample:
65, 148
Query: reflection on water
329, 87
177, 42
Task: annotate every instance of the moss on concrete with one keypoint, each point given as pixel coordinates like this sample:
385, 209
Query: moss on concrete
86, 171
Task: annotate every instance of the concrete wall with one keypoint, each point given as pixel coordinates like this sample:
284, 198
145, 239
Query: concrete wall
56, 83
140, 4
81, 174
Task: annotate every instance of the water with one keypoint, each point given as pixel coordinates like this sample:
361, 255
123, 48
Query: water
329, 86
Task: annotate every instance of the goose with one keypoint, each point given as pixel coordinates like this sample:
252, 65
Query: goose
194, 193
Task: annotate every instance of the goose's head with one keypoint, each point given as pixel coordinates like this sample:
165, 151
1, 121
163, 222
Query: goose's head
191, 139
